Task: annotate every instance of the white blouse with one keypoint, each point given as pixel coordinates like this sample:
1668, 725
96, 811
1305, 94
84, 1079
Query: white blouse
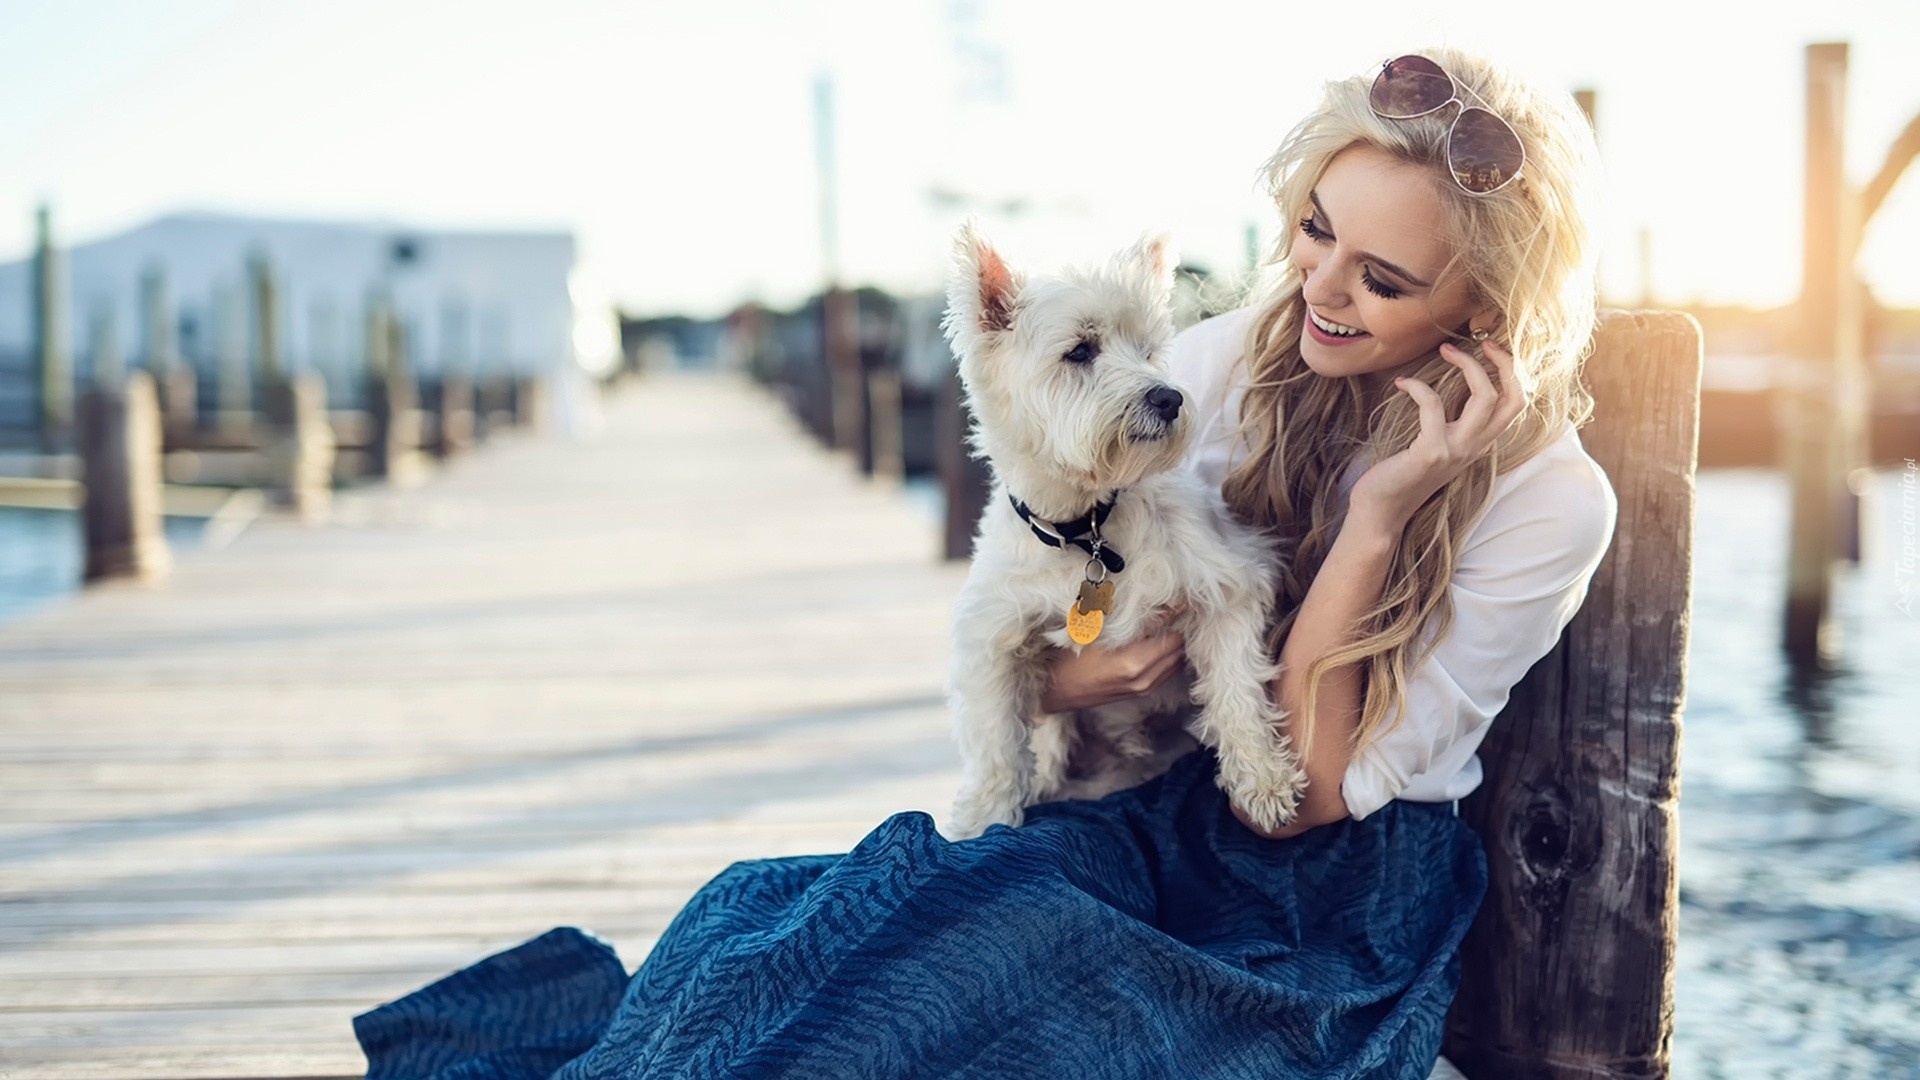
1519, 580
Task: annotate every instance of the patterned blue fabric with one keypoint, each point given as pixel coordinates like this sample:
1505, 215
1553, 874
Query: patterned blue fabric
1147, 934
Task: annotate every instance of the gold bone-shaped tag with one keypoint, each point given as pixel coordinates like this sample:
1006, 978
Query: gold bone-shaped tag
1096, 597
1084, 626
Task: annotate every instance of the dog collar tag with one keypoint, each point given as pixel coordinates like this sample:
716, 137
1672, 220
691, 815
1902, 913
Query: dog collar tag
1096, 596
1084, 626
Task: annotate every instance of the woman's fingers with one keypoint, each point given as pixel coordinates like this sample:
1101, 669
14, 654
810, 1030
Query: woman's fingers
1433, 415
1482, 398
1513, 396
1161, 667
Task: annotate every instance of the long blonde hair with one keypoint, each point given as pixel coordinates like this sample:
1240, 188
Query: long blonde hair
1527, 252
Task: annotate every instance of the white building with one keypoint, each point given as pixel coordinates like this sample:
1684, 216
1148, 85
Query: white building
487, 301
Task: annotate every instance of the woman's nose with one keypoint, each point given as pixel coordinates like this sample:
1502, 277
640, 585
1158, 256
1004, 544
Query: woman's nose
1320, 288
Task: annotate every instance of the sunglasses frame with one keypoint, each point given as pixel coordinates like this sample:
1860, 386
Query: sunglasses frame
1454, 86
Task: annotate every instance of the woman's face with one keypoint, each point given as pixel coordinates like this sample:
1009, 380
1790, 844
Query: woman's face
1370, 252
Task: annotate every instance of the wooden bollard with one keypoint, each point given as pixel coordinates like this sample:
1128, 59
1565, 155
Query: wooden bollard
300, 453
263, 292
493, 405
454, 413
392, 401
965, 478
885, 454
840, 354
180, 405
52, 362
233, 379
530, 403
1826, 397
160, 354
119, 429
805, 374
1567, 973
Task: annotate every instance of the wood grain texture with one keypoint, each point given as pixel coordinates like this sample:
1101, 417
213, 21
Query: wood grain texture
1568, 970
558, 683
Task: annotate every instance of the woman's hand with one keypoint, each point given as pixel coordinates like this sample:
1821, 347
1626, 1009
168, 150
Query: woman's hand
1392, 490
1097, 674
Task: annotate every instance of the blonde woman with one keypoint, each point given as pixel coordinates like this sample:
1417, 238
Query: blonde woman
1430, 497
1400, 401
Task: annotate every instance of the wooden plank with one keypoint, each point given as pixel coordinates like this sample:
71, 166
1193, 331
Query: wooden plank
167, 1062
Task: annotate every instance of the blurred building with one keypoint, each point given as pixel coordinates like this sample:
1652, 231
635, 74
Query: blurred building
485, 301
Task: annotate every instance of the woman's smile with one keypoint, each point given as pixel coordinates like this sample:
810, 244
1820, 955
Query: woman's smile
1328, 332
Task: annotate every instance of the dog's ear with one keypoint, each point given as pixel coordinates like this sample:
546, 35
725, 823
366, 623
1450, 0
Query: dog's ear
1155, 256
981, 288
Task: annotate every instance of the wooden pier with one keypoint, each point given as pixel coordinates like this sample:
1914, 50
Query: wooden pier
558, 683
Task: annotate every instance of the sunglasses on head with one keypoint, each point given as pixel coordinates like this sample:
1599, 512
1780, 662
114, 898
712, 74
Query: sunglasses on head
1483, 153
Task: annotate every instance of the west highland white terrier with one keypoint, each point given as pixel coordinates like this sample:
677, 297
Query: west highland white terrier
1091, 533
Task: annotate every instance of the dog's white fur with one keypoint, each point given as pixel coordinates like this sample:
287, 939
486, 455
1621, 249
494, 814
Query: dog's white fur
1061, 434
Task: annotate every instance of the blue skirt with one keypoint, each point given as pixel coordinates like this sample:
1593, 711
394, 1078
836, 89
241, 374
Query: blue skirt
1146, 934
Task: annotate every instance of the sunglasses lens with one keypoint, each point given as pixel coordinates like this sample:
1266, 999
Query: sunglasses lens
1483, 151
1410, 86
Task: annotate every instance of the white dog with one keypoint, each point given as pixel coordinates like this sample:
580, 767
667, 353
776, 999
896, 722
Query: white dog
1068, 382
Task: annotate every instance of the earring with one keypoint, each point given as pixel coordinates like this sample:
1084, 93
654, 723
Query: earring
1482, 335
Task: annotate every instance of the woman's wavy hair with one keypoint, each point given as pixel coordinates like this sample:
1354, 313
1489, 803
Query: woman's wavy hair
1526, 251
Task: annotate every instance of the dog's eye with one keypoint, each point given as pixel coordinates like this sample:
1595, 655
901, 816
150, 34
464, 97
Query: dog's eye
1081, 353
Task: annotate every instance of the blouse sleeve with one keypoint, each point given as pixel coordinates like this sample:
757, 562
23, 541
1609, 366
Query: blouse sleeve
1517, 584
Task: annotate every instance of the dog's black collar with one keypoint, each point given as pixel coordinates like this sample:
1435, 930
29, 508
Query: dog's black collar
1071, 531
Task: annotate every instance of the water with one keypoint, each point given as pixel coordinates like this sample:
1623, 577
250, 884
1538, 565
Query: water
42, 554
1799, 951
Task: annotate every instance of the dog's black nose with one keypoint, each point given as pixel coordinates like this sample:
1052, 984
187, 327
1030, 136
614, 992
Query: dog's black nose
1164, 400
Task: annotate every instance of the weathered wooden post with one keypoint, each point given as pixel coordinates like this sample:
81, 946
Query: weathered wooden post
1567, 973
840, 353
160, 355
454, 414
530, 402
264, 292
453, 405
965, 479
103, 346
749, 328
1823, 404
297, 437
120, 452
390, 396
233, 382
52, 363
300, 448
493, 394
886, 453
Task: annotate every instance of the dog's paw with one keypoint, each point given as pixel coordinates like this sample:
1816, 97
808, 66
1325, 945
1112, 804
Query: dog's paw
1269, 793
1134, 743
974, 812
968, 823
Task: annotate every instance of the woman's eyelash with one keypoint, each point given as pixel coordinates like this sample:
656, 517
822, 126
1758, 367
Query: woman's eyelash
1373, 284
1377, 287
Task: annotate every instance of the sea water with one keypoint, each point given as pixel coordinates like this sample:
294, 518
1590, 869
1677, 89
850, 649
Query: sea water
42, 554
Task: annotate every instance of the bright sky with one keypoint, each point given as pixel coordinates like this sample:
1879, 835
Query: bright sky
676, 138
